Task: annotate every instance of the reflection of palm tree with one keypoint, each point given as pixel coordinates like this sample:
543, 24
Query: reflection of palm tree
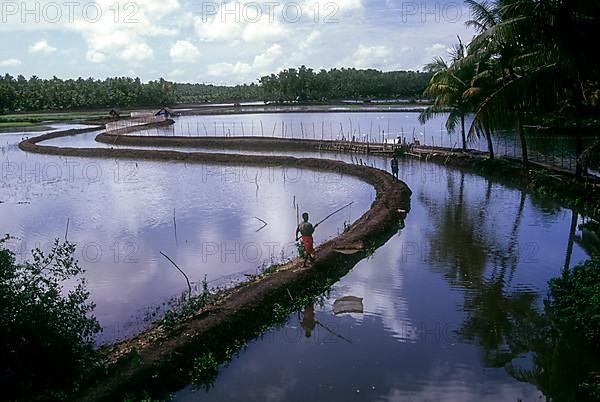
492, 311
454, 243
589, 240
572, 228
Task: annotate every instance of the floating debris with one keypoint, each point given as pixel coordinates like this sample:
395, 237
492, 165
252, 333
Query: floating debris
348, 304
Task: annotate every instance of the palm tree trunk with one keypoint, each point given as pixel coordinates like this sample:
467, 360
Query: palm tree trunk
579, 169
462, 131
490, 144
522, 136
572, 229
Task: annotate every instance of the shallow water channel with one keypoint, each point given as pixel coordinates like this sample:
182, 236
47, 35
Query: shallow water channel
442, 301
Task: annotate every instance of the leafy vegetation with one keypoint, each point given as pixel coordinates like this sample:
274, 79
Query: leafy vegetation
511, 72
565, 339
574, 302
306, 84
46, 330
186, 306
21, 94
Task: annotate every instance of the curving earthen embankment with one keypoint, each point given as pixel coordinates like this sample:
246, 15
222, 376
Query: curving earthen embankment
246, 143
157, 355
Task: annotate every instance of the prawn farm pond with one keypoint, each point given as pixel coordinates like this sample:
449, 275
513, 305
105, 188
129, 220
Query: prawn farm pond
444, 310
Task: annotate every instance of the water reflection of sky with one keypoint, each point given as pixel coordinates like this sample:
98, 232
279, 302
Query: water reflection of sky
123, 213
440, 298
472, 256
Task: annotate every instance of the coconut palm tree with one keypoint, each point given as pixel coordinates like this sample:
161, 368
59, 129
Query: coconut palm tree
447, 86
539, 60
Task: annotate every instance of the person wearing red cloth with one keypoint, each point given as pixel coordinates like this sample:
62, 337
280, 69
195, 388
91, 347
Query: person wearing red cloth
306, 230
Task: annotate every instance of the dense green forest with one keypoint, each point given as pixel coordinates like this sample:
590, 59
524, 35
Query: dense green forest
306, 84
21, 94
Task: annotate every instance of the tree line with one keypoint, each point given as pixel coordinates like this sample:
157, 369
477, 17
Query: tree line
21, 94
528, 58
304, 84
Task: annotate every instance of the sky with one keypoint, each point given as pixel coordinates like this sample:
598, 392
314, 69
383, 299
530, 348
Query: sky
222, 42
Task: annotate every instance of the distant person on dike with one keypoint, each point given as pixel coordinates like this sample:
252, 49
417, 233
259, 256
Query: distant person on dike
306, 229
395, 167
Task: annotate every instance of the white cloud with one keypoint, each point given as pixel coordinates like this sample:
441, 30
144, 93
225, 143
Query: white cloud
184, 52
370, 56
244, 24
95, 56
136, 52
175, 73
128, 38
262, 64
10, 63
267, 58
42, 46
226, 69
263, 30
213, 29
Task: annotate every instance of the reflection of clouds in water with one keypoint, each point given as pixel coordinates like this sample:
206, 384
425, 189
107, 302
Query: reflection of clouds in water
115, 219
286, 383
451, 382
382, 292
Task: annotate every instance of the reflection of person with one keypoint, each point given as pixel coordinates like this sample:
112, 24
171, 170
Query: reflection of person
395, 167
401, 223
308, 320
306, 229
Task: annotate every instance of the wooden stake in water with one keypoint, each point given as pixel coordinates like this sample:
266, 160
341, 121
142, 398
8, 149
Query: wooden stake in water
67, 230
175, 226
180, 270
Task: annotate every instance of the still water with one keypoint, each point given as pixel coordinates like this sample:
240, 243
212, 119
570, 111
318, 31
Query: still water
122, 214
374, 127
443, 301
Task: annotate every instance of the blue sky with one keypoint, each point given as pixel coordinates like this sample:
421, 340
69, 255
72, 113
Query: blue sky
231, 42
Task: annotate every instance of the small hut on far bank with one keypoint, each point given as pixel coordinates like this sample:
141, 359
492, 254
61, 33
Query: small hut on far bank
165, 112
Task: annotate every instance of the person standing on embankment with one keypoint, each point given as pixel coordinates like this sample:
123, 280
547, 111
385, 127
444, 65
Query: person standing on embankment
306, 229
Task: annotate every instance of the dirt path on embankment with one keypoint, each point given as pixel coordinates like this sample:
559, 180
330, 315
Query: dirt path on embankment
155, 360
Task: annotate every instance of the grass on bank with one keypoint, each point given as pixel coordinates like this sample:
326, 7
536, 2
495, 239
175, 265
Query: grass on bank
19, 122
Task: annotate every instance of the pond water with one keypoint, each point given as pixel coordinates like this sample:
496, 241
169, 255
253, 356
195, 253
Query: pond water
370, 126
445, 301
442, 302
122, 214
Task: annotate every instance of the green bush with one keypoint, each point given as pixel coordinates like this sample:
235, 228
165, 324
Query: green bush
574, 302
46, 330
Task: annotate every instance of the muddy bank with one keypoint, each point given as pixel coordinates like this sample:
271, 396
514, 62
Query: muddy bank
558, 184
336, 108
241, 143
156, 360
562, 186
